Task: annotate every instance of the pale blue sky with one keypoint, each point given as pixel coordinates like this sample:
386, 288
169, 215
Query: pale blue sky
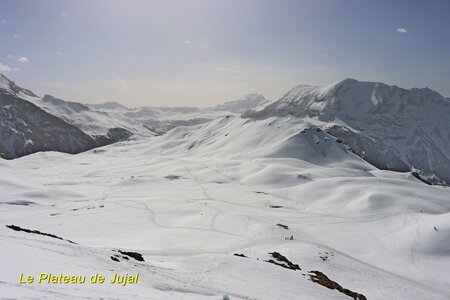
203, 52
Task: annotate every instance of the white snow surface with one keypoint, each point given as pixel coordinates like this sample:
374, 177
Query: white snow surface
188, 200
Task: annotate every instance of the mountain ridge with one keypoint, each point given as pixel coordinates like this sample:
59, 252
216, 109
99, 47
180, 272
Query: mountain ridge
25, 128
391, 127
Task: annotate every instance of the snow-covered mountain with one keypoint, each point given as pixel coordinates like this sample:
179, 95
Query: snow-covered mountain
29, 124
91, 119
165, 118
9, 87
25, 129
112, 105
97, 119
111, 122
390, 127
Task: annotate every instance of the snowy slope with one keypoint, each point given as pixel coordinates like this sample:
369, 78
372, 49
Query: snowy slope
192, 198
391, 127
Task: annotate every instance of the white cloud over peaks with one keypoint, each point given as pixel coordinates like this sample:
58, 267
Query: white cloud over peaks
402, 30
4, 68
22, 59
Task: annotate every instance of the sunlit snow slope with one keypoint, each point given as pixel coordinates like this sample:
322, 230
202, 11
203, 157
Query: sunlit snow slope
191, 199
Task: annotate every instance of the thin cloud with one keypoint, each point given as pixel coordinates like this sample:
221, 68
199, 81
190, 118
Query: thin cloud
58, 53
22, 59
226, 70
402, 30
5, 68
187, 42
15, 35
3, 21
63, 14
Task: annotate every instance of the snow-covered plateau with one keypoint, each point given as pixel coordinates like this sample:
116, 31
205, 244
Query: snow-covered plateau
267, 207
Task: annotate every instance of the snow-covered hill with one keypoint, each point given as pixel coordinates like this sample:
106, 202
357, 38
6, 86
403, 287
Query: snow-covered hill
224, 208
390, 127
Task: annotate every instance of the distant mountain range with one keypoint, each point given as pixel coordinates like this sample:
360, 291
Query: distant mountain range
390, 127
30, 123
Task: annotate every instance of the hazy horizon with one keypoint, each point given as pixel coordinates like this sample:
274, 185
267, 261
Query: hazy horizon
202, 53
124, 103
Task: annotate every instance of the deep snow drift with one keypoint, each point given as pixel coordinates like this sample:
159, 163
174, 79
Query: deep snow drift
192, 198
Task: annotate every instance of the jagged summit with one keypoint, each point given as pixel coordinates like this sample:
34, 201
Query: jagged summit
8, 86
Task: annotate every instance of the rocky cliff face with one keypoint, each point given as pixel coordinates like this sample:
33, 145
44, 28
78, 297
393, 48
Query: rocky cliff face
25, 129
